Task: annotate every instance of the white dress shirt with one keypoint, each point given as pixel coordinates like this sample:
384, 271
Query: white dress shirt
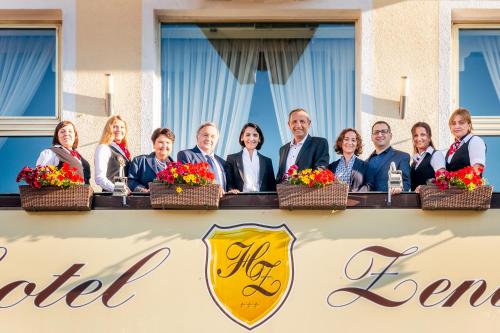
101, 160
294, 152
477, 149
250, 171
437, 160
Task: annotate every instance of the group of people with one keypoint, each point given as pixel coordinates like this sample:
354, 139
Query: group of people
250, 171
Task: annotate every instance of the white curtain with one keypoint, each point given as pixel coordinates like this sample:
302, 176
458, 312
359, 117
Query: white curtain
490, 47
208, 81
23, 63
316, 75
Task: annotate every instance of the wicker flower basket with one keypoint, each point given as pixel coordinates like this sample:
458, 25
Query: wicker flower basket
78, 197
302, 197
455, 198
165, 196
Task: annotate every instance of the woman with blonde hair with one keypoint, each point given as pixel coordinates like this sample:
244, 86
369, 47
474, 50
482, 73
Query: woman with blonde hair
111, 153
467, 149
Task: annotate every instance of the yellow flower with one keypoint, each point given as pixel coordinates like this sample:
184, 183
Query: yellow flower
178, 189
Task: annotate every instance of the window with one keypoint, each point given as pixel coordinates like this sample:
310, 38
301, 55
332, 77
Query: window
17, 152
28, 97
234, 73
479, 87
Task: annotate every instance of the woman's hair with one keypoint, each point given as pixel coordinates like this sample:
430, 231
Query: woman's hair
427, 129
55, 138
340, 139
107, 133
162, 131
257, 128
464, 113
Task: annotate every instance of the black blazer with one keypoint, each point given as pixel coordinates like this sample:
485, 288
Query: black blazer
357, 175
235, 172
313, 154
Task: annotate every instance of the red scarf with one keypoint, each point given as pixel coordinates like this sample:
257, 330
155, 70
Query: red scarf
124, 149
75, 154
454, 147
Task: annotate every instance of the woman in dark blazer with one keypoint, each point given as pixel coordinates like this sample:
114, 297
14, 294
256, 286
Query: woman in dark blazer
248, 170
143, 168
349, 168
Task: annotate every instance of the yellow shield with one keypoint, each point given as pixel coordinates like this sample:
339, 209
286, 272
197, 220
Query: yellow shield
249, 270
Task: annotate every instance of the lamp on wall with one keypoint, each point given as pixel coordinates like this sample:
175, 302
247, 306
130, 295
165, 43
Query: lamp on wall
108, 92
403, 97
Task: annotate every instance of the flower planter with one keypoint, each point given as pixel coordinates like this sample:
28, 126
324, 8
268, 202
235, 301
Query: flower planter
329, 197
164, 196
433, 198
78, 197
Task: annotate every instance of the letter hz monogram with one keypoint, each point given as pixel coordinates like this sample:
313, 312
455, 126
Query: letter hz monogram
249, 270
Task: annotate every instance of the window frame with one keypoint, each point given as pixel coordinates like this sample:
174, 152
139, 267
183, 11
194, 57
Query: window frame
306, 16
483, 125
36, 126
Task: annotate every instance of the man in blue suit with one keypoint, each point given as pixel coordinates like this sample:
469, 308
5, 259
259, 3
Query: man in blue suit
207, 136
380, 160
304, 150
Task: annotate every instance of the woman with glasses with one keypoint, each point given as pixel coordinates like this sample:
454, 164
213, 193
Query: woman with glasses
426, 159
349, 168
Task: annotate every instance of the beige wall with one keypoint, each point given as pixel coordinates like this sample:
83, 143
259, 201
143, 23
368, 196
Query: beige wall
108, 37
405, 37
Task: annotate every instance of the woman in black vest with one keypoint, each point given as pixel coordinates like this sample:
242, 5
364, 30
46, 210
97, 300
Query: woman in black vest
249, 170
111, 153
426, 159
65, 142
467, 149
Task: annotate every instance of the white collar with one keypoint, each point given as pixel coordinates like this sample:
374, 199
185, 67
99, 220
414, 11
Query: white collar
418, 156
212, 154
300, 143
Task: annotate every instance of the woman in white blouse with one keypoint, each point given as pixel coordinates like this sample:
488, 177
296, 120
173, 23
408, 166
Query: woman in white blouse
248, 170
426, 159
112, 153
63, 150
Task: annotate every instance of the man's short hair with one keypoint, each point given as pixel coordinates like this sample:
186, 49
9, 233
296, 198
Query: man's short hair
206, 124
382, 122
298, 110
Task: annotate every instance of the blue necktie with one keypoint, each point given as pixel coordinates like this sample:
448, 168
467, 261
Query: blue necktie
211, 162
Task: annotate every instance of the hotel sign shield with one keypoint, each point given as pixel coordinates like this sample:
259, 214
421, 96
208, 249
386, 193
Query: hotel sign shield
249, 270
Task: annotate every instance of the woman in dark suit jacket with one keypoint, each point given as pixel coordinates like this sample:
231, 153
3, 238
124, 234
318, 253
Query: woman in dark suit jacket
143, 168
349, 167
248, 170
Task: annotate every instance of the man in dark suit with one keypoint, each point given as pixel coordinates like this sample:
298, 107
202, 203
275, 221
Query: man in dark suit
207, 136
380, 160
304, 150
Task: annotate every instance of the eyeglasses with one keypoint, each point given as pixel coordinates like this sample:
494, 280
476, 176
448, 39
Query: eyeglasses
383, 132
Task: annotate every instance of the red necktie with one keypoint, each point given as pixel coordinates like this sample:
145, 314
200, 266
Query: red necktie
454, 147
124, 149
